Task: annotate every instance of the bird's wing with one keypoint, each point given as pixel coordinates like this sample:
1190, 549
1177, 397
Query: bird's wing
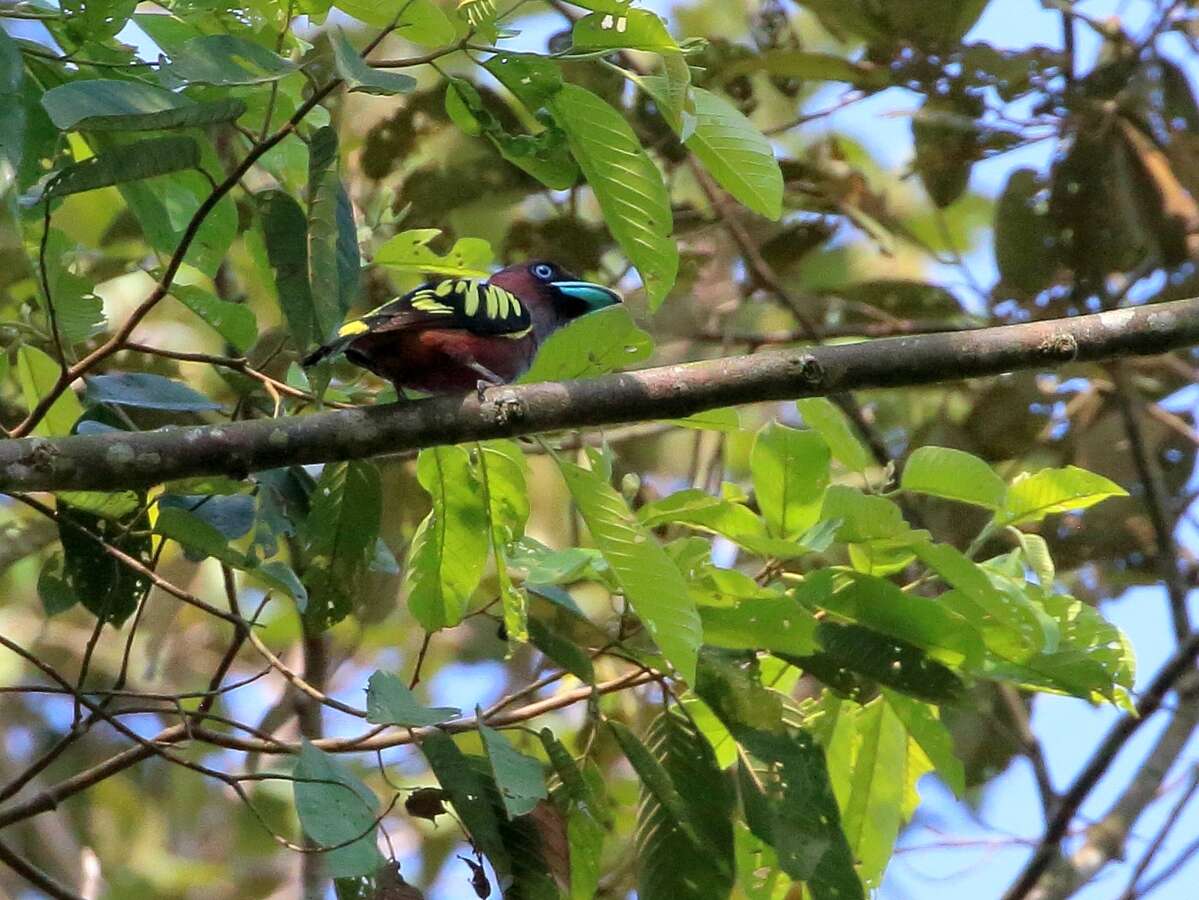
456, 303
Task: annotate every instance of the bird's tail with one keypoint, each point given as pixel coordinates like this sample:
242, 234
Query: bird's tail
326, 350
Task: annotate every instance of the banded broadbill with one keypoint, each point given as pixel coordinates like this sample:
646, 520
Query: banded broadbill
458, 334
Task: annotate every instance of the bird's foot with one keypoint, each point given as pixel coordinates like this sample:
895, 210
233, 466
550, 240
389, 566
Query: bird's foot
481, 387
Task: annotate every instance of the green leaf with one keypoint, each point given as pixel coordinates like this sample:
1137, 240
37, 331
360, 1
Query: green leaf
191, 531
561, 649
1011, 624
832, 425
285, 230
651, 582
38, 374
12, 109
501, 472
56, 593
872, 811
532, 79
235, 322
470, 792
953, 475
420, 21
1036, 554
926, 728
1031, 498
519, 778
103, 104
339, 539
144, 390
735, 152
333, 259
790, 805
726, 419
408, 251
78, 311
880, 605
108, 589
730, 685
791, 471
780, 625
359, 76
630, 29
390, 702
132, 162
94, 20
809, 66
698, 509
106, 504
684, 823
335, 806
863, 517
886, 660
449, 549
591, 345
627, 185
223, 59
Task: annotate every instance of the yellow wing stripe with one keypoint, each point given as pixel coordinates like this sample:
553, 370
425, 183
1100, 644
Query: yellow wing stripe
470, 303
357, 326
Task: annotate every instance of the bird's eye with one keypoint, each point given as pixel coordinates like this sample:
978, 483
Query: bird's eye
544, 271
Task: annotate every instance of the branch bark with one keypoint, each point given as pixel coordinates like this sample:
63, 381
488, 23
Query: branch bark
109, 461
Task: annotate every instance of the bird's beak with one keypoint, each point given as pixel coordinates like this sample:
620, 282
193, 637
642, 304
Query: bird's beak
594, 296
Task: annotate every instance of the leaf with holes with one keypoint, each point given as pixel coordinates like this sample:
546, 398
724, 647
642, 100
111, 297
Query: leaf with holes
519, 777
408, 251
390, 702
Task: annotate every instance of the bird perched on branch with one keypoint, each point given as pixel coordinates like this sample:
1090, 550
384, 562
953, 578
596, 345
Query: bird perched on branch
458, 334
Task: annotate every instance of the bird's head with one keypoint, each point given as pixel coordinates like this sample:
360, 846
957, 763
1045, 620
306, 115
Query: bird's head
553, 295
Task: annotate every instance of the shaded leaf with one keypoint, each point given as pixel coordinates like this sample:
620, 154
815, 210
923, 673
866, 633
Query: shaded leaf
334, 806
105, 587
1025, 235
103, 104
470, 792
333, 259
285, 230
133, 162
235, 322
519, 777
146, 391
809, 66
224, 59
38, 374
390, 702
361, 77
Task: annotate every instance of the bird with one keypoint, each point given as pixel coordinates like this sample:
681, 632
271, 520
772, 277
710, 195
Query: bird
458, 334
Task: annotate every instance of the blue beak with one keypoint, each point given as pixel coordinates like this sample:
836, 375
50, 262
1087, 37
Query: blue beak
594, 296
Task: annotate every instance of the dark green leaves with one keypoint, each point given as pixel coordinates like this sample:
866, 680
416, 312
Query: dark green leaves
12, 108
519, 778
133, 162
103, 104
627, 185
107, 588
358, 76
146, 391
335, 807
285, 230
339, 539
390, 702
333, 257
235, 322
684, 833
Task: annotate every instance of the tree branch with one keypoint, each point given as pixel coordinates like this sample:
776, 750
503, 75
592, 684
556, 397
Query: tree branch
100, 462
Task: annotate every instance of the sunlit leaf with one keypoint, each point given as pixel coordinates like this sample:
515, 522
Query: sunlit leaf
409, 251
1032, 497
791, 471
831, 423
235, 322
953, 475
592, 344
390, 702
38, 375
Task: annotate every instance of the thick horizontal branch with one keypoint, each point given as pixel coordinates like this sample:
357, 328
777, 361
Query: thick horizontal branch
109, 461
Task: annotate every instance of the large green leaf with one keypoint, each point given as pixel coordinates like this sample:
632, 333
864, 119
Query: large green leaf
926, 728
223, 59
780, 625
879, 605
420, 21
409, 251
627, 185
652, 583
954, 475
501, 470
591, 345
790, 805
791, 471
1030, 498
831, 423
725, 516
685, 845
235, 322
38, 374
449, 549
103, 104
132, 162
285, 231
145, 390
358, 76
339, 539
735, 152
333, 257
12, 110
335, 806
470, 791
518, 777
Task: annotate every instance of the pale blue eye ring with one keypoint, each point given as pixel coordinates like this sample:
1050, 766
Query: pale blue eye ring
543, 271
